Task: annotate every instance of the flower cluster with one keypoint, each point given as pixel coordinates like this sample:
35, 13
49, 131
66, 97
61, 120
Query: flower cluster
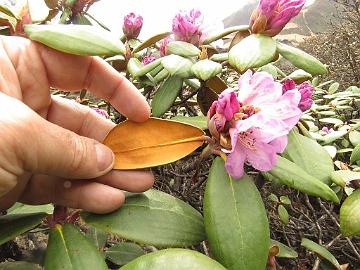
132, 25
188, 27
271, 16
306, 91
252, 126
148, 59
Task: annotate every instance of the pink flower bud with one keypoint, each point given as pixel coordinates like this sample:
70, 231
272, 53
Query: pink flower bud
132, 25
188, 26
305, 89
148, 59
271, 16
163, 43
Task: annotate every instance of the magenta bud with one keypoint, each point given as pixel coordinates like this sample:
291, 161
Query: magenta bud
148, 59
188, 26
132, 25
306, 91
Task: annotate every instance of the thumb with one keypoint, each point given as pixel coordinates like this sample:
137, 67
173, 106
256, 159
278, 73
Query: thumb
63, 153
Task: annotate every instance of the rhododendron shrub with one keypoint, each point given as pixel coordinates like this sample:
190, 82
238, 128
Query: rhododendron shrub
233, 100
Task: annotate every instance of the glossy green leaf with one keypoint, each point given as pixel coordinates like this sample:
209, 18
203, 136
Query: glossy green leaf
252, 52
97, 237
14, 225
343, 177
355, 155
193, 83
206, 69
293, 176
235, 220
301, 59
182, 48
354, 137
318, 164
20, 208
19, 266
76, 39
165, 96
284, 251
68, 248
161, 75
320, 251
153, 218
225, 32
122, 253
350, 215
332, 151
333, 136
197, 121
151, 41
174, 259
177, 65
283, 214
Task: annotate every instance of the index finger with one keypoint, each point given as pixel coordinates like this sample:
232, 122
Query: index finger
72, 72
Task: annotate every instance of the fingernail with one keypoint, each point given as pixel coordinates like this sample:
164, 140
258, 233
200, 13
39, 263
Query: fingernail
105, 157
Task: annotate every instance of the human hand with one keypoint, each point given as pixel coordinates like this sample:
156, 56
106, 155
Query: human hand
49, 149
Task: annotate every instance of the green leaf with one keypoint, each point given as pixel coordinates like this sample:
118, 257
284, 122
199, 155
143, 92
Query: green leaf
333, 136
153, 218
206, 69
151, 41
197, 121
300, 76
182, 48
174, 259
177, 65
4, 9
68, 248
14, 225
284, 251
252, 52
225, 32
318, 164
19, 266
301, 59
350, 215
355, 155
123, 253
343, 177
354, 137
293, 176
133, 66
97, 237
20, 208
148, 68
161, 75
273, 197
165, 96
76, 39
283, 214
219, 57
81, 19
334, 121
285, 200
235, 220
320, 251
269, 68
333, 88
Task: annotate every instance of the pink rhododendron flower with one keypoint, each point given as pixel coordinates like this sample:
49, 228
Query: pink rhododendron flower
148, 59
188, 26
255, 129
102, 113
305, 89
163, 43
132, 25
271, 16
